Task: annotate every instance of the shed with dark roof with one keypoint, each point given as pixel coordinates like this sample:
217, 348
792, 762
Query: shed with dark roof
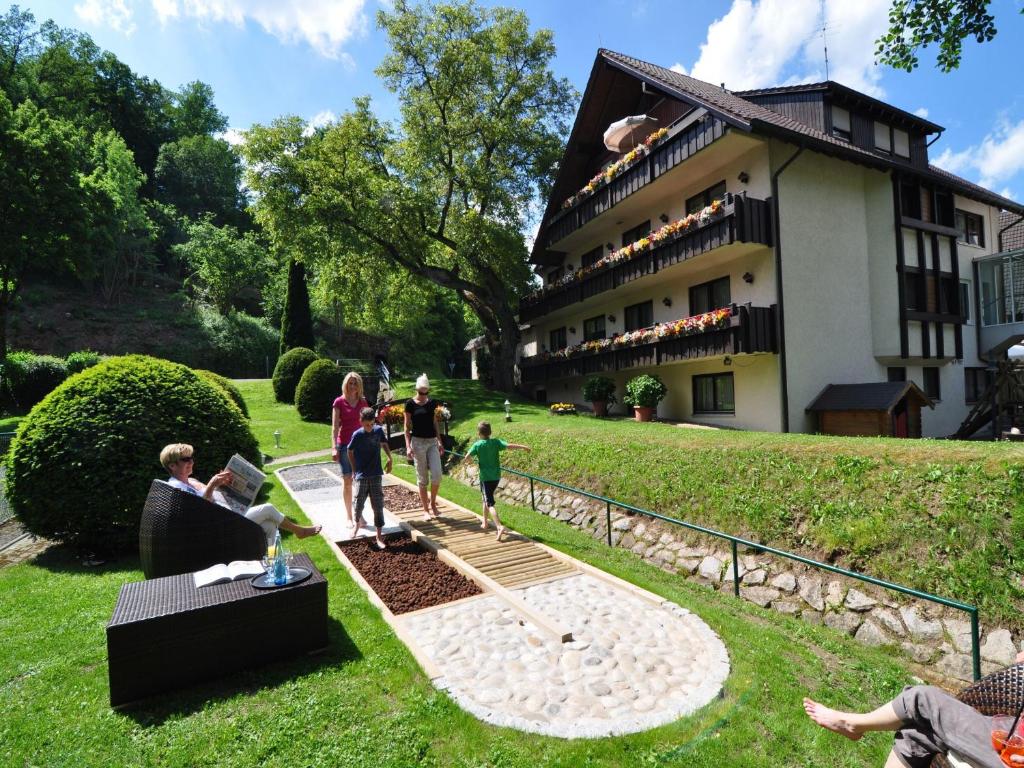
887, 408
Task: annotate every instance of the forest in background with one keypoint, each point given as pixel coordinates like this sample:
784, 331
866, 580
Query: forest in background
126, 227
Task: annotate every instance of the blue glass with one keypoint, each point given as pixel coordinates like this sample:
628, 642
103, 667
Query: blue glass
280, 562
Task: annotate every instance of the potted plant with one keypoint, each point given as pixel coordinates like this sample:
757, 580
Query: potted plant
644, 393
600, 392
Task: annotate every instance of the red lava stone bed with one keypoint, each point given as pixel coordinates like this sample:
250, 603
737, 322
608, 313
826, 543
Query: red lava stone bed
398, 497
406, 576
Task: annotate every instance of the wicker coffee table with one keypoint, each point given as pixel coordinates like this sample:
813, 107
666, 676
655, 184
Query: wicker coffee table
167, 634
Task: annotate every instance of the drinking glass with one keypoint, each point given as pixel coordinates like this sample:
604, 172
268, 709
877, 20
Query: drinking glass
1006, 745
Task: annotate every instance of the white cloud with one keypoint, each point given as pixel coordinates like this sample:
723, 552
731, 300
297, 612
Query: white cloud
998, 158
760, 43
107, 13
319, 120
232, 136
325, 25
678, 67
921, 112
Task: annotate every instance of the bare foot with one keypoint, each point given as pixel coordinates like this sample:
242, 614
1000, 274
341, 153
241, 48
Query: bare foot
831, 720
483, 526
501, 531
309, 530
380, 544
434, 510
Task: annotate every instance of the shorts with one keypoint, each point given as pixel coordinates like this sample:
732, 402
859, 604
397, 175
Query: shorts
346, 467
373, 488
487, 489
428, 458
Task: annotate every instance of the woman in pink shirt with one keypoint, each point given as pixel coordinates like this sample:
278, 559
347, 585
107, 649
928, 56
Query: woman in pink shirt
345, 421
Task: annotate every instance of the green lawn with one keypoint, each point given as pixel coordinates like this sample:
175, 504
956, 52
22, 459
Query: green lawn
366, 703
267, 415
10, 423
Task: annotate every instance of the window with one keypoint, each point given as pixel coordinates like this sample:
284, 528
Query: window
713, 393
554, 275
965, 301
703, 199
593, 328
910, 200
883, 138
590, 257
634, 234
944, 208
557, 339
976, 384
639, 315
935, 297
971, 227
708, 296
931, 383
901, 143
914, 292
896, 374
841, 123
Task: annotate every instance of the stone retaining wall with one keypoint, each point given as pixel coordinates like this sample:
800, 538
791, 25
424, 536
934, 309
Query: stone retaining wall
928, 633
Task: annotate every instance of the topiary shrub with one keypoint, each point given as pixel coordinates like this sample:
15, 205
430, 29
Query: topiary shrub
645, 391
77, 362
30, 377
82, 461
289, 369
318, 387
228, 387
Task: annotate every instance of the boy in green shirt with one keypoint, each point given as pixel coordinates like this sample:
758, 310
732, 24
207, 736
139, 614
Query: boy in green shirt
487, 450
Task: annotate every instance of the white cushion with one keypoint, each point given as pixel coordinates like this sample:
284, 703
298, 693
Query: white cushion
957, 761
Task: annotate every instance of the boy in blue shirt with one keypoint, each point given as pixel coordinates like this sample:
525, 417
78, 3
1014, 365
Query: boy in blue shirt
364, 457
487, 451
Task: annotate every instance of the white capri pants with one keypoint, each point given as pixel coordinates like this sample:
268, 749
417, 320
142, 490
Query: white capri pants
267, 517
428, 457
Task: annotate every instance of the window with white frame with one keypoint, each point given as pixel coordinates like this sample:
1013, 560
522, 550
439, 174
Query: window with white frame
841, 123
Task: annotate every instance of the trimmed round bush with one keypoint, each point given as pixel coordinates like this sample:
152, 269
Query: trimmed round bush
31, 377
229, 389
317, 390
82, 461
289, 369
79, 361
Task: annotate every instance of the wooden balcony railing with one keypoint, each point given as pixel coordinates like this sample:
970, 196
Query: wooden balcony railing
750, 329
742, 220
663, 158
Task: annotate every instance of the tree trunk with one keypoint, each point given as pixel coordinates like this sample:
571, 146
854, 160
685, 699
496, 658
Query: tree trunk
503, 352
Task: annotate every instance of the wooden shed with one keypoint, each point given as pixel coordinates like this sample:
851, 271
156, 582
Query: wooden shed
890, 409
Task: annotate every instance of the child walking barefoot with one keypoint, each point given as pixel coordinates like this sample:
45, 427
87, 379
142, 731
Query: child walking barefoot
364, 455
487, 451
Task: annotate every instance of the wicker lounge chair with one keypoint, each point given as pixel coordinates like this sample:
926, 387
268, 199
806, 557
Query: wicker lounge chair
1000, 693
182, 533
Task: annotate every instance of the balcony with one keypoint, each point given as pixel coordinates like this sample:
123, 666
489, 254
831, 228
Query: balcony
663, 158
1001, 292
741, 220
746, 330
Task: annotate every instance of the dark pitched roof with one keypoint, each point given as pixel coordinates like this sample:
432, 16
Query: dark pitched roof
1012, 226
748, 116
875, 396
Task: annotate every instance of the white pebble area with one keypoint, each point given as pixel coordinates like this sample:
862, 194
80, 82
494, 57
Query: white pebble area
631, 665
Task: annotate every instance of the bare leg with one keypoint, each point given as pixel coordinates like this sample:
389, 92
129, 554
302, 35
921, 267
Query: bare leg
433, 499
497, 522
380, 539
851, 724
485, 522
301, 531
346, 495
425, 501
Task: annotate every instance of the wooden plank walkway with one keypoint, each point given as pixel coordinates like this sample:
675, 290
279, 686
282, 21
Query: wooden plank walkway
511, 563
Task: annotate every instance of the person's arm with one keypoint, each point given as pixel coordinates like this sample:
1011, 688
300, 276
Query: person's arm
352, 458
387, 450
335, 431
408, 431
221, 478
517, 447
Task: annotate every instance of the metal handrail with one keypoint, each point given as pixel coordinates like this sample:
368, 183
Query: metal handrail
736, 541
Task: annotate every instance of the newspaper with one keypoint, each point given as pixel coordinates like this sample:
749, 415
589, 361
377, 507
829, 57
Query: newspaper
246, 481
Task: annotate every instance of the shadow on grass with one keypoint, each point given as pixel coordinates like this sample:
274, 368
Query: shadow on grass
63, 558
161, 707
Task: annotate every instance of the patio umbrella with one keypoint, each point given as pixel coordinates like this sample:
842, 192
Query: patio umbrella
623, 135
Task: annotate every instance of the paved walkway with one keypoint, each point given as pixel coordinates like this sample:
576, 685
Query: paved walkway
635, 661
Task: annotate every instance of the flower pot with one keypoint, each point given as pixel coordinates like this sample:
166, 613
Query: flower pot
643, 413
600, 408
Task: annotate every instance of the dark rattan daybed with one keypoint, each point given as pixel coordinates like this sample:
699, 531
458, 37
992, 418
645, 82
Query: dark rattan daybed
183, 533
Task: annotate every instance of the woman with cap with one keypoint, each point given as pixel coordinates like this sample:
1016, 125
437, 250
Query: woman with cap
423, 443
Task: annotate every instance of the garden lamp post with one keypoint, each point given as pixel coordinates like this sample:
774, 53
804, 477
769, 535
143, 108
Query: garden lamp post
508, 411
277, 438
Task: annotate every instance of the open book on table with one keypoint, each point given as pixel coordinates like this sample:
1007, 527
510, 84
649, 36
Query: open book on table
222, 573
245, 484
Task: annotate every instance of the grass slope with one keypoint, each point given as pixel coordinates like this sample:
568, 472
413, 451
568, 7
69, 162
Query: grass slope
366, 703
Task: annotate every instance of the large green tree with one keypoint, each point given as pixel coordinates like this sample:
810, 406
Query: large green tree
42, 202
442, 195
224, 265
916, 24
199, 175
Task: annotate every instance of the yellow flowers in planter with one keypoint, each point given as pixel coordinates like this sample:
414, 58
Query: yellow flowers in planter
617, 168
562, 409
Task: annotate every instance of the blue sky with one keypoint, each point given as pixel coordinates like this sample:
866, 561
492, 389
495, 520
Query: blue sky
266, 58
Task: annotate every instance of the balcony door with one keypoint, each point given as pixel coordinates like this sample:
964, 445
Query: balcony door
713, 294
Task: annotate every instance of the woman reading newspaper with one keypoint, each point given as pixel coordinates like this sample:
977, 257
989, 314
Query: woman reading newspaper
179, 460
